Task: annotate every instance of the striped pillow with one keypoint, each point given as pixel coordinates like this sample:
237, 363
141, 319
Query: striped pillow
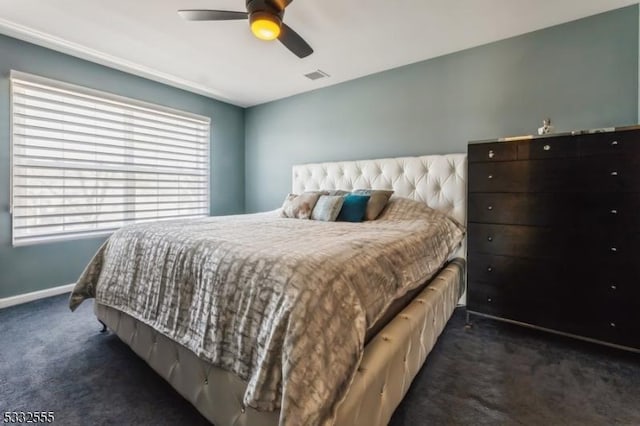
327, 208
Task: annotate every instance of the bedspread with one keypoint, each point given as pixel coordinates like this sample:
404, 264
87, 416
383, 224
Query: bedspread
283, 303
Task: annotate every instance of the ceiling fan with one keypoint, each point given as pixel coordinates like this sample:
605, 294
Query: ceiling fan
265, 17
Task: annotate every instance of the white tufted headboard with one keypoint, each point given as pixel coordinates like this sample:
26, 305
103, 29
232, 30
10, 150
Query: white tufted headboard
438, 180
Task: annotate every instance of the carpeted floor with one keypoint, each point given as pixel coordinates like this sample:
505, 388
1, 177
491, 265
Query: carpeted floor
493, 373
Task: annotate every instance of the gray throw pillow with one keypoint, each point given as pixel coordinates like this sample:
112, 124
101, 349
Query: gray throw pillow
300, 206
377, 201
327, 208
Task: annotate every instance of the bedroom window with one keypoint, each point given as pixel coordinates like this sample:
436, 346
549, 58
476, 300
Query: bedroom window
85, 163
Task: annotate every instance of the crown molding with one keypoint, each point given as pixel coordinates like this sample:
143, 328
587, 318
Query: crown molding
58, 44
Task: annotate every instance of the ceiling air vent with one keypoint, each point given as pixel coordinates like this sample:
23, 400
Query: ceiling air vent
316, 75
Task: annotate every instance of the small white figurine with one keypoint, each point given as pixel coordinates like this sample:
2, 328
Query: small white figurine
546, 127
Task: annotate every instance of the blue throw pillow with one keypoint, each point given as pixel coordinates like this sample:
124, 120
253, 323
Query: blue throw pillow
353, 208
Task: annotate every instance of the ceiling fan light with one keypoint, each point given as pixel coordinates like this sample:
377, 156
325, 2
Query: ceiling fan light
265, 26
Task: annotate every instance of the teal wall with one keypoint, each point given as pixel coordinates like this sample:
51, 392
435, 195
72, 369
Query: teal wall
582, 74
26, 269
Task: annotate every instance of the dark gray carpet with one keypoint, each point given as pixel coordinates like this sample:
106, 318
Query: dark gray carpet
493, 373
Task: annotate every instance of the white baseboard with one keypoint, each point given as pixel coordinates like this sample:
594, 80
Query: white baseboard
35, 295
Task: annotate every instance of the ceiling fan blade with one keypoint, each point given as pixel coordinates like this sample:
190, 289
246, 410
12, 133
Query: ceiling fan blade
294, 42
211, 15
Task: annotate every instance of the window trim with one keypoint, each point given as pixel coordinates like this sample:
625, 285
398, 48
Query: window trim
127, 102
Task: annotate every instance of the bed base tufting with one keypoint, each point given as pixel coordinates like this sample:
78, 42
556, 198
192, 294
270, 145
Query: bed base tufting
390, 362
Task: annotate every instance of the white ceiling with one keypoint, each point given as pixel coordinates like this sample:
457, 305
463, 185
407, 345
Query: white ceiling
351, 38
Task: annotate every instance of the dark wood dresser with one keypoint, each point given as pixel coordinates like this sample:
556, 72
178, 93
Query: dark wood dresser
554, 234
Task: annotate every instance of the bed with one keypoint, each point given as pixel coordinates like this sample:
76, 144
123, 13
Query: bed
364, 375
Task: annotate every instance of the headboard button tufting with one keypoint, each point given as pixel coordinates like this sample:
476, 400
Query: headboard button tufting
429, 178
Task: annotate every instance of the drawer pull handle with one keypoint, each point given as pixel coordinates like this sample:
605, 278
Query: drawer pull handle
614, 249
547, 147
491, 153
614, 173
489, 239
614, 287
489, 269
614, 143
489, 300
490, 177
612, 324
614, 211
489, 207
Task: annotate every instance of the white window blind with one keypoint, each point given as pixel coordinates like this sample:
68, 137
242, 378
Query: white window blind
86, 163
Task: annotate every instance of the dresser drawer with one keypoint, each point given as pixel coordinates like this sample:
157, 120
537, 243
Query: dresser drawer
498, 151
619, 143
619, 211
546, 312
566, 278
622, 325
552, 147
615, 211
489, 298
523, 241
610, 281
611, 174
611, 248
620, 329
553, 175
541, 209
624, 331
547, 278
594, 248
615, 323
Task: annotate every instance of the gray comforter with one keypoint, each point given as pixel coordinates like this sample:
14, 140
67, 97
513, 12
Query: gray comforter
282, 303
